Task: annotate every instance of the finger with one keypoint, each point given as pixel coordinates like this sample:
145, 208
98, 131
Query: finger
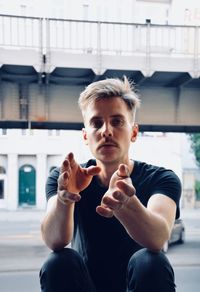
126, 188
92, 170
120, 197
65, 165
123, 171
63, 180
111, 203
71, 159
105, 212
68, 162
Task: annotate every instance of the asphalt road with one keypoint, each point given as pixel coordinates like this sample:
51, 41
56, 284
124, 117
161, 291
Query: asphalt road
22, 253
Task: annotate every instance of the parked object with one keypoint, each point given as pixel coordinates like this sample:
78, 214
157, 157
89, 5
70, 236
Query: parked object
177, 235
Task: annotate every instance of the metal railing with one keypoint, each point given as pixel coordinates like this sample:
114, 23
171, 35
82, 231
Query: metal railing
21, 31
96, 37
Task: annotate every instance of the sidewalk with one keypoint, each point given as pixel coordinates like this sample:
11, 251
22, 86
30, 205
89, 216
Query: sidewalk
21, 245
20, 215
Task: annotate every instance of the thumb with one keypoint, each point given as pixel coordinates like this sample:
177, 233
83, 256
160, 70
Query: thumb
123, 170
92, 170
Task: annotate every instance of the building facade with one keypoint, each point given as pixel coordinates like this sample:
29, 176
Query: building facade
28, 156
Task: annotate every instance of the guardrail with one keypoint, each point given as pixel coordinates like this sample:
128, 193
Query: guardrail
97, 37
122, 38
19, 31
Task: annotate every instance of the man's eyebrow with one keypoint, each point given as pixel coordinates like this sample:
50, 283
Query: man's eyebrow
112, 116
94, 118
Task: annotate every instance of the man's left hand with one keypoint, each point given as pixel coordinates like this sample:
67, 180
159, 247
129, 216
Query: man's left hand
119, 193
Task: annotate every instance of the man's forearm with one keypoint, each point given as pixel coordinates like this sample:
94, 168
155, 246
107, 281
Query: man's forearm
57, 225
147, 228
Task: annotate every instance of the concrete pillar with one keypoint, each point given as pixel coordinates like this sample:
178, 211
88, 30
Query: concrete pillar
12, 182
41, 181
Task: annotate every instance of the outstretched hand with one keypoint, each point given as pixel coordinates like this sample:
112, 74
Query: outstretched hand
119, 193
73, 179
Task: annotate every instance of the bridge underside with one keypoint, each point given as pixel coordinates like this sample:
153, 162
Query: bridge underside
28, 99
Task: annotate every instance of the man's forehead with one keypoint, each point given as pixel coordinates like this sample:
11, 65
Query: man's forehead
112, 107
117, 115
103, 104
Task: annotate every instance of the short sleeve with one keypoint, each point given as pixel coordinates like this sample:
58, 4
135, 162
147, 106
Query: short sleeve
51, 183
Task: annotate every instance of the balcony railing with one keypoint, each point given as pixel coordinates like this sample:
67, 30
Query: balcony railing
48, 36
92, 37
21, 32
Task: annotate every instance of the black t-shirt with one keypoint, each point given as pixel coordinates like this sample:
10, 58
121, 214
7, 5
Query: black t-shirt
103, 242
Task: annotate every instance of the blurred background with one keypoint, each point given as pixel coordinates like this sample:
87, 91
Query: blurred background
49, 52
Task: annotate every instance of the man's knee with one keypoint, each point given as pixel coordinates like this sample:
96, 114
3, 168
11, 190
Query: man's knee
63, 271
65, 259
151, 268
59, 272
149, 260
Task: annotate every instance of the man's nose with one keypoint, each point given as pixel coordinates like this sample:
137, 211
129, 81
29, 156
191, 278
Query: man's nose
107, 130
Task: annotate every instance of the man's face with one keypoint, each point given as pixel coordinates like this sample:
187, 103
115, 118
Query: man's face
109, 130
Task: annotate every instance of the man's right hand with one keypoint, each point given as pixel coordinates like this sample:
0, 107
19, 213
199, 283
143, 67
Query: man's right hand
73, 179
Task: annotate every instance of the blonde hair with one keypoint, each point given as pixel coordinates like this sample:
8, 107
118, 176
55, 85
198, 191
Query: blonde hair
109, 88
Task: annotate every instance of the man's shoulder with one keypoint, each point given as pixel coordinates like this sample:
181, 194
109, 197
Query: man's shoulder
142, 168
88, 163
54, 173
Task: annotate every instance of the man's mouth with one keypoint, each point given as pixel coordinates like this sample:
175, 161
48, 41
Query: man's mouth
107, 145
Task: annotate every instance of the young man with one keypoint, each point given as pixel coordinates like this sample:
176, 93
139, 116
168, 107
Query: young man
117, 213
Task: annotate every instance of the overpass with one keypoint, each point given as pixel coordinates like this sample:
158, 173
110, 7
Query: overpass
45, 63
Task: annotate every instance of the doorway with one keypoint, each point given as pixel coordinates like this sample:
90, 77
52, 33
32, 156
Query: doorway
27, 185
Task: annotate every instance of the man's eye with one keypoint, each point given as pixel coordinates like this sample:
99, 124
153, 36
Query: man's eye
117, 122
97, 124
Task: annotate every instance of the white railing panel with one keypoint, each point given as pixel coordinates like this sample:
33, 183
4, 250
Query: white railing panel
20, 32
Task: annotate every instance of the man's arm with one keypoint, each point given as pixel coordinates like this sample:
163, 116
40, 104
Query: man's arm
150, 226
58, 224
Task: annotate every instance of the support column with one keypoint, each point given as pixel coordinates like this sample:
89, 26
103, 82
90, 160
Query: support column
12, 182
41, 181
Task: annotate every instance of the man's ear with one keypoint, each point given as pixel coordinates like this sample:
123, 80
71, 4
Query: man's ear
84, 132
135, 130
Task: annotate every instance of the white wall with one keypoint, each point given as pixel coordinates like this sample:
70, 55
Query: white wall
43, 151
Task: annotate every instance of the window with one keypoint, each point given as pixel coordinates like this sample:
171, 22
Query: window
2, 170
4, 132
1, 189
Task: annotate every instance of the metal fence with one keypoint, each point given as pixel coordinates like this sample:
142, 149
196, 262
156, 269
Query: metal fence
96, 37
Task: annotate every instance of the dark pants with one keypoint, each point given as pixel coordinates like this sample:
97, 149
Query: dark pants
65, 271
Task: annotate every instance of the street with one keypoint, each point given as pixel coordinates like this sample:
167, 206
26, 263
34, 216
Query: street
22, 253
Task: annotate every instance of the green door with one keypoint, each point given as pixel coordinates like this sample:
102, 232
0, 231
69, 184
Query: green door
27, 185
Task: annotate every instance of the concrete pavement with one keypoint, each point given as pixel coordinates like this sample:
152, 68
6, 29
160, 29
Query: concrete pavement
20, 215
21, 245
